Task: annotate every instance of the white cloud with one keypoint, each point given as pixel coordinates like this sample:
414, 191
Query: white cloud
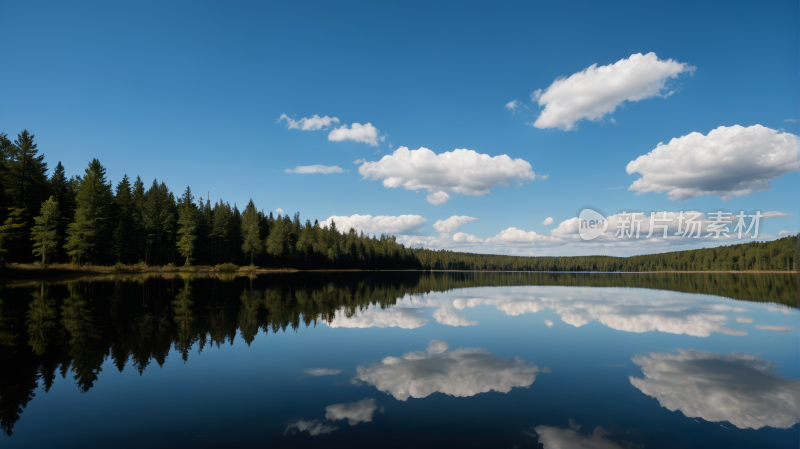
462, 372
790, 120
728, 162
463, 237
359, 161
744, 319
518, 235
353, 412
438, 198
740, 388
564, 238
279, 210
322, 371
375, 317
313, 428
452, 223
513, 105
464, 172
308, 169
314, 123
597, 91
767, 327
358, 133
775, 214
784, 233
386, 224
548, 323
548, 221
557, 438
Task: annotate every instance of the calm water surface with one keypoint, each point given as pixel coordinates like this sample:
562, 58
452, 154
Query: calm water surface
402, 359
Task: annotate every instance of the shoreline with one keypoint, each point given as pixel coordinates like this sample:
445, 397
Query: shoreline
13, 269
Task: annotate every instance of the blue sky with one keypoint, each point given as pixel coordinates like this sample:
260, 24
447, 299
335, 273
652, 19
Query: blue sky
191, 93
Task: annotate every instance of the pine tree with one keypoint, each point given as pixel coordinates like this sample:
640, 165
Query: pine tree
11, 231
60, 186
125, 231
251, 234
27, 173
187, 229
45, 232
92, 230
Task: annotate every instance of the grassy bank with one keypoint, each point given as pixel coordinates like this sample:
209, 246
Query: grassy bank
139, 268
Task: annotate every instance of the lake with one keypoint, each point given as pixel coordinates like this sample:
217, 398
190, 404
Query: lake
400, 359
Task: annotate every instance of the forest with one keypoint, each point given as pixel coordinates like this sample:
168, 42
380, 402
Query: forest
87, 221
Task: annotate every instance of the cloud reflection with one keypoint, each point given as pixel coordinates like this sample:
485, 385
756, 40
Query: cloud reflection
626, 310
354, 412
740, 388
558, 438
404, 318
462, 372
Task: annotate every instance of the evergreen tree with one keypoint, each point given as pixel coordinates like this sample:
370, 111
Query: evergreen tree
125, 232
251, 234
10, 232
92, 230
64, 196
27, 173
45, 232
187, 226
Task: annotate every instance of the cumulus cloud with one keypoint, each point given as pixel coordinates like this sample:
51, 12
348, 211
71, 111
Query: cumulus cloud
548, 323
548, 221
353, 412
682, 231
314, 428
374, 317
462, 372
784, 233
313, 123
513, 105
357, 133
728, 162
518, 235
597, 91
386, 224
308, 169
464, 172
279, 210
463, 237
322, 371
557, 438
452, 223
740, 388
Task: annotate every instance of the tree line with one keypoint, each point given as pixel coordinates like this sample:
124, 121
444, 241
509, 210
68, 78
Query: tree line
87, 220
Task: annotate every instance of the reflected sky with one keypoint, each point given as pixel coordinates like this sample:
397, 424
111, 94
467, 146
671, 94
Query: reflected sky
629, 310
408, 361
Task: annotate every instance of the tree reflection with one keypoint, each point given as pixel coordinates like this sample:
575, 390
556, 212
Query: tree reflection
133, 320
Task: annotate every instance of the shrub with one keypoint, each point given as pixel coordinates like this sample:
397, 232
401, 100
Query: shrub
227, 268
